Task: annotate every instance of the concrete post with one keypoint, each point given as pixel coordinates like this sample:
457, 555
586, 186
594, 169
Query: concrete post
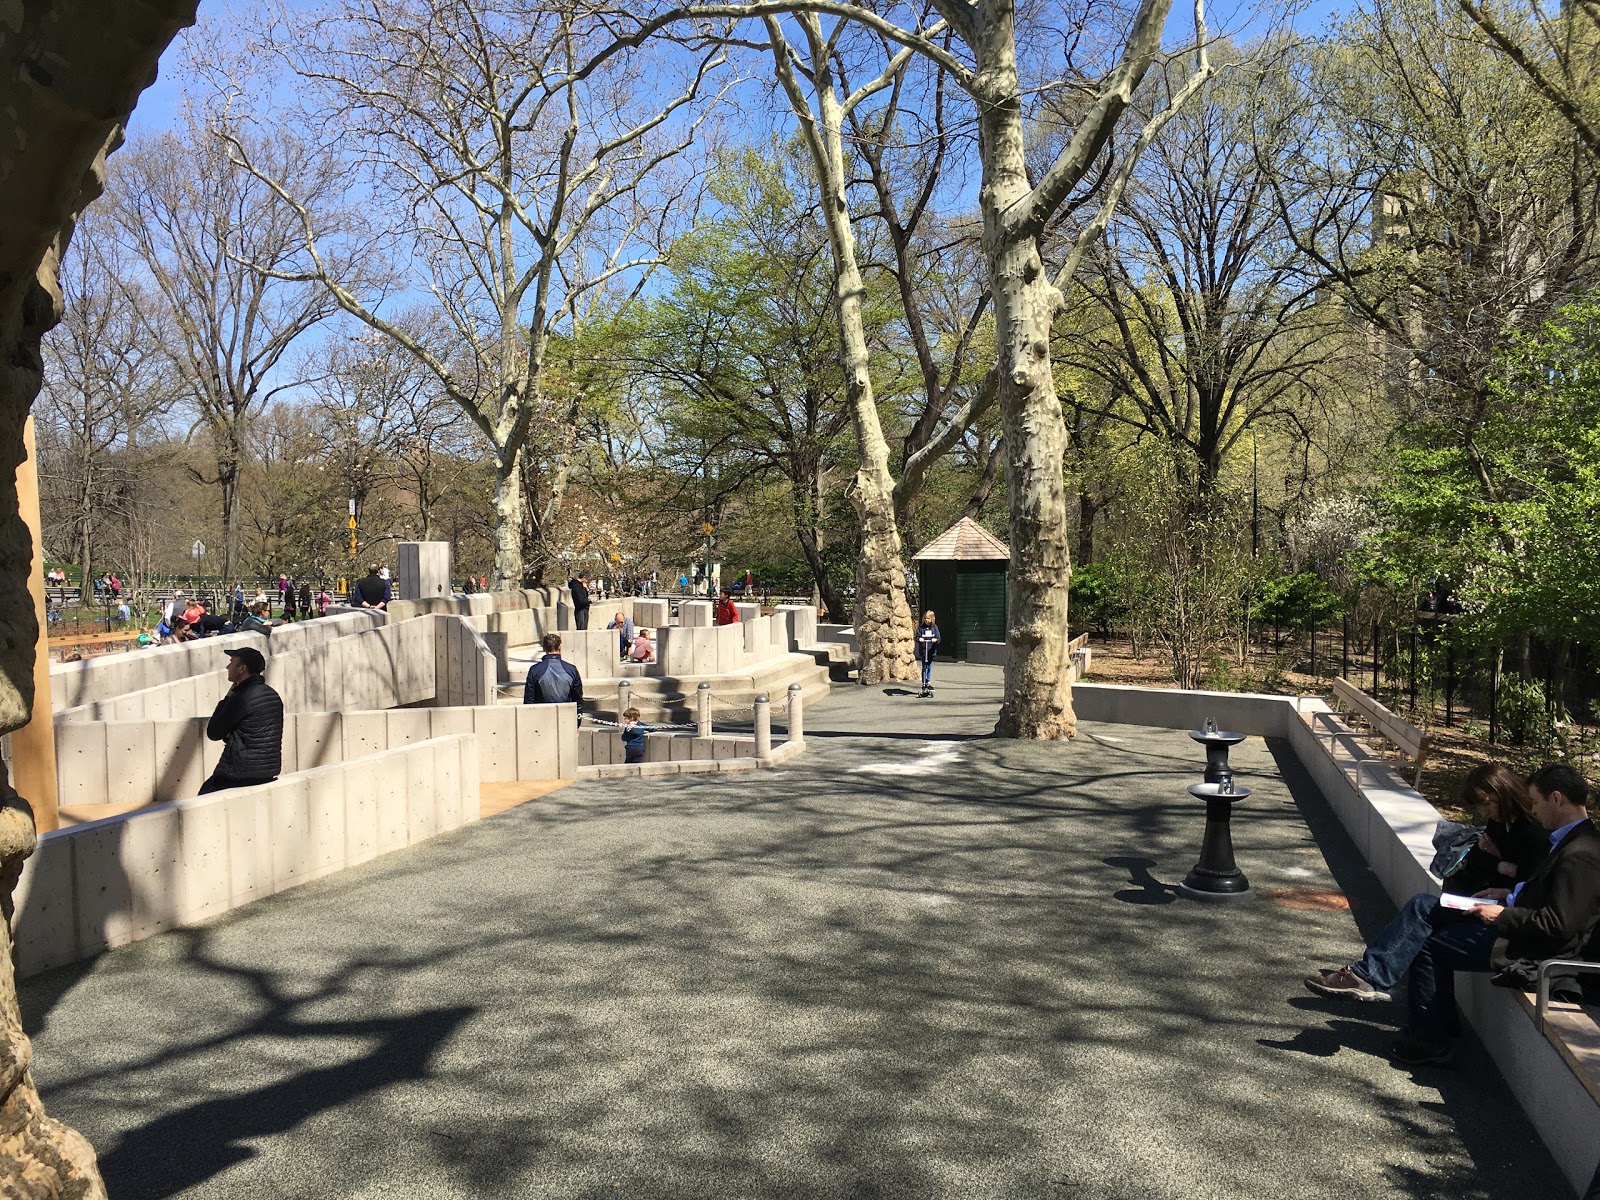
624, 698
703, 710
797, 721
763, 728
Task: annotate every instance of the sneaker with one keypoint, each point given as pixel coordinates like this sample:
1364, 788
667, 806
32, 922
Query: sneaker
1413, 1053
1343, 983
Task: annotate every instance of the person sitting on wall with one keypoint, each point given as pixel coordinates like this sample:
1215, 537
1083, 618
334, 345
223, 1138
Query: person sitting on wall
1509, 930
623, 624
205, 622
726, 613
553, 680
644, 649
259, 620
249, 723
373, 591
1502, 797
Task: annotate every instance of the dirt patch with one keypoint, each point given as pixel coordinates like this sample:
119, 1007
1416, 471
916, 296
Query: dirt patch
1456, 752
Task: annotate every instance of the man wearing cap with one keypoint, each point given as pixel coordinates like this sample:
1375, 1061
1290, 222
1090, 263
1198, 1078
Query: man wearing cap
249, 723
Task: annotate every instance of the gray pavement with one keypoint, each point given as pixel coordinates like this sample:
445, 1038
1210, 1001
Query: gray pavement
918, 963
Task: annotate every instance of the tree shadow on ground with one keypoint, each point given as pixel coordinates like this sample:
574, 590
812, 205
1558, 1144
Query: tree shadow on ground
796, 984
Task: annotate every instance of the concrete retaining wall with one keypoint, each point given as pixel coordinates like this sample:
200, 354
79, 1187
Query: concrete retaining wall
375, 666
110, 676
123, 762
107, 883
1392, 825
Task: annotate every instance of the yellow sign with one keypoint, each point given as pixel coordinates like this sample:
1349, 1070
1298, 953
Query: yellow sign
708, 529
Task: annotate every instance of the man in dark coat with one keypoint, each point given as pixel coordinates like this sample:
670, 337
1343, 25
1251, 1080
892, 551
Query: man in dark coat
579, 588
373, 591
1550, 915
553, 680
249, 723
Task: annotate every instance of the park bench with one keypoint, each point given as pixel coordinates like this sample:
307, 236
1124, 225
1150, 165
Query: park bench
1396, 730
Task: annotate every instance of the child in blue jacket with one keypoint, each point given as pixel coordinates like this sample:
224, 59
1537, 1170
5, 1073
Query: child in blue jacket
927, 647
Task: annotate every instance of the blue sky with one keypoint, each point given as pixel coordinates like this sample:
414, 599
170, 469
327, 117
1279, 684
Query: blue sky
159, 103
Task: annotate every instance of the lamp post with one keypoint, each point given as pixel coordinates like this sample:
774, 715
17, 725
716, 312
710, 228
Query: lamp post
198, 550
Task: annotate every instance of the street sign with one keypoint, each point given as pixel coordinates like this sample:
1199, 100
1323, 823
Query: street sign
198, 549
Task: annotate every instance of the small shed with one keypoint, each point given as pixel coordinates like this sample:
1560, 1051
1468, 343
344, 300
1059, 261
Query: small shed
963, 577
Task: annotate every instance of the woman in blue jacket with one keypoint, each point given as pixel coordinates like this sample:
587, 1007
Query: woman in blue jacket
927, 647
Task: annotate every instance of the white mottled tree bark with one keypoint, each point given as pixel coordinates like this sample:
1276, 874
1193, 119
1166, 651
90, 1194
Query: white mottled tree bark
883, 621
69, 75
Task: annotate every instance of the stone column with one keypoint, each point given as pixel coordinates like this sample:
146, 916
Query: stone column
703, 710
763, 728
797, 716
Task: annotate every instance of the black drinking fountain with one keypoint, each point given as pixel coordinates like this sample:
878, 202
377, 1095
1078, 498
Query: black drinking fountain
1216, 878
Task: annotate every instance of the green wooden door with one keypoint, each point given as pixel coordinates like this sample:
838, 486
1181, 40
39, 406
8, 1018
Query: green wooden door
980, 608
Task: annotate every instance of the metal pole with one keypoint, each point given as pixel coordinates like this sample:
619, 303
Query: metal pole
1449, 686
1344, 648
797, 716
1413, 670
1376, 633
703, 710
1494, 698
763, 728
624, 697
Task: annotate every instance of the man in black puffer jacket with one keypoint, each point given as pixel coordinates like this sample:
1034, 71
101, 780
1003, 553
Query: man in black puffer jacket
249, 723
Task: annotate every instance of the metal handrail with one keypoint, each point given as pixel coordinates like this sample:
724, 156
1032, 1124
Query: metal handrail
1542, 996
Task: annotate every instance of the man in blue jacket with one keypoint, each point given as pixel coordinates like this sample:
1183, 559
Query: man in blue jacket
553, 680
249, 723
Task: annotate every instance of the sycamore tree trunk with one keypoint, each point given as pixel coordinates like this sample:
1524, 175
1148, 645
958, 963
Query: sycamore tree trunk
228, 481
882, 616
1037, 701
72, 72
508, 510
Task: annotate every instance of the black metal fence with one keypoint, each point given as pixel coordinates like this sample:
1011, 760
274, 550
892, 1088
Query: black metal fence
1516, 692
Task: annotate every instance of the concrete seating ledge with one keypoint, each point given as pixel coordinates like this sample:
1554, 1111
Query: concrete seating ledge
103, 884
1392, 825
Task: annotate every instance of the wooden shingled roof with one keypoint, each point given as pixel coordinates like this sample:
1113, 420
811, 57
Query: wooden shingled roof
965, 541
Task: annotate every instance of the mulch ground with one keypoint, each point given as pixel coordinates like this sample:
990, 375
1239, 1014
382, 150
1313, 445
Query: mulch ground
1455, 752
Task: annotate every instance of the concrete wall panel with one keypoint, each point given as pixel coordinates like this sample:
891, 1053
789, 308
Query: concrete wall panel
405, 726
538, 742
325, 812
496, 728
44, 899
81, 763
249, 844
364, 733
103, 913
360, 817
205, 889
130, 763
422, 791
389, 793
319, 739
696, 614
289, 815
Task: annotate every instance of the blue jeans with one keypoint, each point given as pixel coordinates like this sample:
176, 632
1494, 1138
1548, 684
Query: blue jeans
1389, 956
927, 671
1458, 946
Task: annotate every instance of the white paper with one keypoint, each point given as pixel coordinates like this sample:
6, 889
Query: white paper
1464, 903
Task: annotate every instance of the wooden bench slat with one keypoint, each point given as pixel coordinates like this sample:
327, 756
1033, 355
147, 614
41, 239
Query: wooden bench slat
1405, 736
